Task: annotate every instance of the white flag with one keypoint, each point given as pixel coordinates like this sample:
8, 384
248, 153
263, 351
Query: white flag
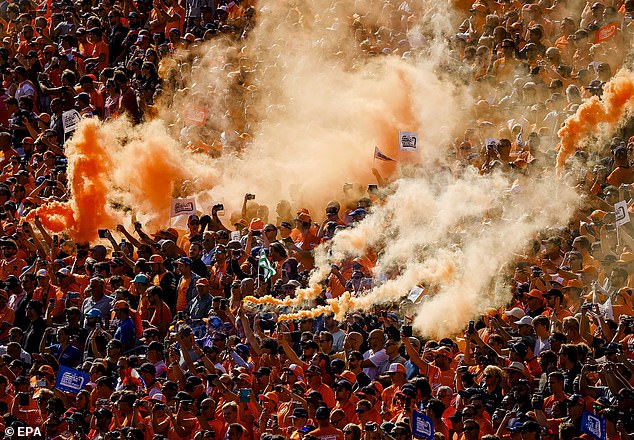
408, 141
621, 214
415, 294
70, 120
606, 309
183, 207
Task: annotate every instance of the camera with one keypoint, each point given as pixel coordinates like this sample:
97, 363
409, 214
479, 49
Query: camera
103, 233
250, 196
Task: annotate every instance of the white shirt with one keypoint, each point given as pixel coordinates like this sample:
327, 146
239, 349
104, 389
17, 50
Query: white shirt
25, 88
541, 345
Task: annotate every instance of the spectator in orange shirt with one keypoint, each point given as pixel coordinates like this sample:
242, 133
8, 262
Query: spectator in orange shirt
6, 313
304, 239
99, 55
10, 265
314, 381
346, 401
325, 431
622, 172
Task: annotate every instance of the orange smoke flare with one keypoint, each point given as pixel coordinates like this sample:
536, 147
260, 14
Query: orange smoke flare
617, 95
313, 313
89, 163
267, 299
338, 306
303, 295
55, 216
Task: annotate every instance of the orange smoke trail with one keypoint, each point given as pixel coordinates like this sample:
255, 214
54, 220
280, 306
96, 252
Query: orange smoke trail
617, 95
55, 216
313, 313
302, 295
267, 299
338, 306
89, 163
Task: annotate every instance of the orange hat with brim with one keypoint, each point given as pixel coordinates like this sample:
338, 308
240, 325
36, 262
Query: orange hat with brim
535, 293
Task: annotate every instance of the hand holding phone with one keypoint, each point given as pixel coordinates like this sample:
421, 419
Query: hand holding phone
245, 395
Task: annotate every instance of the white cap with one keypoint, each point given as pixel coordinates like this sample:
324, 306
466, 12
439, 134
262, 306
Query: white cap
526, 320
515, 312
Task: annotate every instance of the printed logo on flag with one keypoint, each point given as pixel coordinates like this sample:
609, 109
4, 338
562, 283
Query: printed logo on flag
70, 380
593, 425
70, 120
195, 115
621, 214
408, 140
606, 32
378, 154
183, 207
422, 426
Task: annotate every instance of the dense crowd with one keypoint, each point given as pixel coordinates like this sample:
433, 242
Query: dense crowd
157, 322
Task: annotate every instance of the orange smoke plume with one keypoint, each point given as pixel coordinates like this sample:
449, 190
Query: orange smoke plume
617, 95
157, 167
55, 216
89, 163
398, 114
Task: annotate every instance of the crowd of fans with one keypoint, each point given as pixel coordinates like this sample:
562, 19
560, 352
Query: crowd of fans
158, 323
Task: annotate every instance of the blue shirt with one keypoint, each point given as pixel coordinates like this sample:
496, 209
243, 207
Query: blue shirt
126, 333
70, 357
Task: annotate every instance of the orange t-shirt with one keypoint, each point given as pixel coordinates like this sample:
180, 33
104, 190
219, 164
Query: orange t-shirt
327, 393
100, 48
327, 433
7, 315
349, 409
621, 175
11, 267
181, 297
